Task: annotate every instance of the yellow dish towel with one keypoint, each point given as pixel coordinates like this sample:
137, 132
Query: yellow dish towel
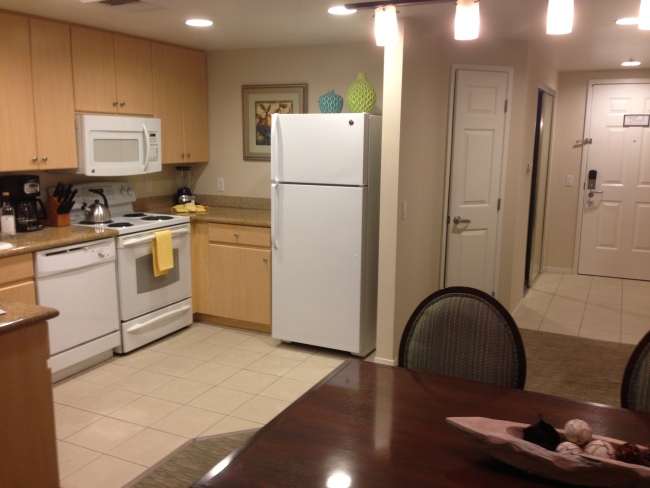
163, 252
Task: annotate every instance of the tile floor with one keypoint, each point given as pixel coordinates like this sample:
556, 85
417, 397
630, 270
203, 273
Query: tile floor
121, 417
608, 309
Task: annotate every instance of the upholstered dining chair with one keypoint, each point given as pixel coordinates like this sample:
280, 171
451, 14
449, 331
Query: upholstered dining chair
635, 390
466, 333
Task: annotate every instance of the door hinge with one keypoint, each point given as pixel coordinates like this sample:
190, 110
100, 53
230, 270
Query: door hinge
505, 108
499, 205
448, 219
587, 140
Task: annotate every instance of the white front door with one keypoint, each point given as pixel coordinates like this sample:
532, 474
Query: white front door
477, 155
615, 233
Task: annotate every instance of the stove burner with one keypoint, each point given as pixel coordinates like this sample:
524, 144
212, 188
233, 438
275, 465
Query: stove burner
136, 214
87, 222
121, 224
157, 217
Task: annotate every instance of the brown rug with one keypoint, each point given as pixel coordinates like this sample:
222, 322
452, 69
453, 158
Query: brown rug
574, 367
185, 466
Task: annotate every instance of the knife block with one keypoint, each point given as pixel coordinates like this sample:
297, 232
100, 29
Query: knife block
54, 219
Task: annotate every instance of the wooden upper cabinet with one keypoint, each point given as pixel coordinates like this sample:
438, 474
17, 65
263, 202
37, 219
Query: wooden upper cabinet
17, 128
112, 73
195, 106
53, 94
181, 101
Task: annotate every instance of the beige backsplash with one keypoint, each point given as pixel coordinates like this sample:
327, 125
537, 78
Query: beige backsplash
142, 204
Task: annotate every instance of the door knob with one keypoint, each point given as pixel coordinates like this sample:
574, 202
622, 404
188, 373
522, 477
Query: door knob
458, 220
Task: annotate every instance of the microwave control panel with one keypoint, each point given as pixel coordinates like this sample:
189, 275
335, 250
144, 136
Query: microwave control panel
154, 146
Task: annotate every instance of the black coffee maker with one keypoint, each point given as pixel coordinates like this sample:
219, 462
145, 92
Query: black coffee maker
24, 192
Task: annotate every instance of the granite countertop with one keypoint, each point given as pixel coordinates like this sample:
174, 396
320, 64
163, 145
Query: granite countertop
21, 314
49, 237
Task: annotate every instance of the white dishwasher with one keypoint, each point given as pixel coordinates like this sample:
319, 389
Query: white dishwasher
80, 282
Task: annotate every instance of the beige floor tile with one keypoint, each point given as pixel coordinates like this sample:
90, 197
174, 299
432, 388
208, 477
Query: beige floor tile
602, 313
249, 381
171, 345
537, 300
572, 330
145, 411
601, 335
530, 324
230, 424
140, 359
527, 318
286, 389
174, 365
104, 472
291, 352
200, 331
260, 343
562, 317
631, 337
598, 323
547, 283
221, 400
330, 359
202, 350
180, 390
143, 382
576, 280
606, 283
636, 284
188, 421
635, 317
105, 373
236, 358
567, 306
69, 420
71, 390
273, 365
106, 400
606, 297
148, 447
104, 435
310, 371
228, 338
211, 373
72, 458
260, 409
573, 293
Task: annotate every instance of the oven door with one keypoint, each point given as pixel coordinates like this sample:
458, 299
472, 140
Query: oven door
139, 290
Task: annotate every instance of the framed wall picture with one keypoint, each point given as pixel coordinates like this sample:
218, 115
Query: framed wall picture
259, 102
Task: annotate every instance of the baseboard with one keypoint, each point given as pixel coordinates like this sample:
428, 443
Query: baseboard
387, 362
550, 269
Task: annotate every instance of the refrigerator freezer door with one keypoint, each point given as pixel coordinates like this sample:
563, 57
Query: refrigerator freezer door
318, 283
326, 149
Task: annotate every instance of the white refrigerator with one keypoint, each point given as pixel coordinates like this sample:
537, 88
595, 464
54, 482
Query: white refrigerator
325, 172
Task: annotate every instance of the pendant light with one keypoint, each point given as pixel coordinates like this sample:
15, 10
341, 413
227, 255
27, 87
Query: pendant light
386, 26
468, 20
644, 15
559, 17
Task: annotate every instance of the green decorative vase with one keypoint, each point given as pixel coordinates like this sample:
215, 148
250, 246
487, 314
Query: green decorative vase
361, 96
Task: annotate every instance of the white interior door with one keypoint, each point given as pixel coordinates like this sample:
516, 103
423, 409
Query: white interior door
615, 233
477, 155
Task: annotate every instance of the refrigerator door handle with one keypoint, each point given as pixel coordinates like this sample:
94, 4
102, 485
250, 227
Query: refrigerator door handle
275, 148
274, 217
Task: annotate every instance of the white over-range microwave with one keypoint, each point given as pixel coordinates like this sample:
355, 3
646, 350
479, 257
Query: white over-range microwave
111, 145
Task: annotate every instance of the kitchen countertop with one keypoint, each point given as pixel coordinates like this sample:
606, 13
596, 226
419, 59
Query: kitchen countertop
50, 237
254, 217
21, 315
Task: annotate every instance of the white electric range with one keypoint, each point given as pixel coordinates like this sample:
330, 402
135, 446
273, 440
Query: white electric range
150, 307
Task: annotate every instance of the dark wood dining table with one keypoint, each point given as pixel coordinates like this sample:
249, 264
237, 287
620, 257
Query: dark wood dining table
370, 425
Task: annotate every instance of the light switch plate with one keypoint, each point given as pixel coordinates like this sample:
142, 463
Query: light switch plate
220, 184
569, 180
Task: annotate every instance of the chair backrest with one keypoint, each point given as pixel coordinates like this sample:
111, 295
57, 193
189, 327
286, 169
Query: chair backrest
466, 333
635, 390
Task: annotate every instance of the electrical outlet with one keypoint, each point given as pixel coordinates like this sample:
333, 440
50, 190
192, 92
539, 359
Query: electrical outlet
148, 184
220, 185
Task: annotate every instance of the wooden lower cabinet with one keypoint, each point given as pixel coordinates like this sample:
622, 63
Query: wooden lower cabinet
233, 284
17, 279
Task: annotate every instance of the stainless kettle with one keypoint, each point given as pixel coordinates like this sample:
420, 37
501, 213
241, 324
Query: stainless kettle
97, 213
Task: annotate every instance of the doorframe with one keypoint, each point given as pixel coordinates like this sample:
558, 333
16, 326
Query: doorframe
504, 165
583, 159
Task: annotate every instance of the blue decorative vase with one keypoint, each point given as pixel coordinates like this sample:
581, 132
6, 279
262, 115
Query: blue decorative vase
330, 103
361, 95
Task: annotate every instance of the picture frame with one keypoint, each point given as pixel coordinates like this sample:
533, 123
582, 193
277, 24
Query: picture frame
636, 120
258, 103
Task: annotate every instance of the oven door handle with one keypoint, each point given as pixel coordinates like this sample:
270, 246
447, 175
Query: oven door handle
149, 237
148, 323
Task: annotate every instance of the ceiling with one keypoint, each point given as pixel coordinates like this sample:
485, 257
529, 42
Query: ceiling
596, 42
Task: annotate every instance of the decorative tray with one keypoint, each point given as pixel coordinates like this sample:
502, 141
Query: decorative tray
504, 441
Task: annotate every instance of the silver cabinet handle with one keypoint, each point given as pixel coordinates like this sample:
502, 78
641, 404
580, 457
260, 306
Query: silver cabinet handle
45, 159
34, 159
236, 234
188, 155
458, 220
122, 104
266, 260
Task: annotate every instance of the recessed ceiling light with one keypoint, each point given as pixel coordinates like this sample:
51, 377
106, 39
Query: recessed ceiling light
340, 10
628, 21
199, 22
631, 62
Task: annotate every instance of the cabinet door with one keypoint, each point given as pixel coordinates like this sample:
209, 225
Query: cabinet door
195, 106
168, 100
243, 283
133, 76
53, 94
201, 289
17, 128
93, 67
